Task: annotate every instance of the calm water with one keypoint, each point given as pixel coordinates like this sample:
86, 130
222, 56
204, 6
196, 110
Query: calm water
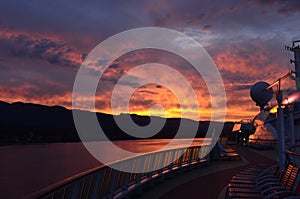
28, 168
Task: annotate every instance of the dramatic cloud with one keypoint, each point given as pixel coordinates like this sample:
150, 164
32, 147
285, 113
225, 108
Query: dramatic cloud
43, 43
25, 45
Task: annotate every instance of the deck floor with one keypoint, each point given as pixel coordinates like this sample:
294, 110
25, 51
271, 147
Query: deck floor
209, 182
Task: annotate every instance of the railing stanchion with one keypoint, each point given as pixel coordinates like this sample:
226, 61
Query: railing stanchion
171, 157
113, 183
191, 155
96, 186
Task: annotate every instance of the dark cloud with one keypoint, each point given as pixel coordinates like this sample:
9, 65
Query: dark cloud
162, 20
58, 53
282, 7
207, 27
114, 66
196, 19
147, 103
149, 92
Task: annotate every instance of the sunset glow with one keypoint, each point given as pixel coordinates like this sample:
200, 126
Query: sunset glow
40, 53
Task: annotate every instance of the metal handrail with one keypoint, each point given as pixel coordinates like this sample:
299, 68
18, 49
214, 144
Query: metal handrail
105, 182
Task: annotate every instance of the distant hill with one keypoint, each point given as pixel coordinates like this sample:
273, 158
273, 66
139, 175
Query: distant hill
25, 122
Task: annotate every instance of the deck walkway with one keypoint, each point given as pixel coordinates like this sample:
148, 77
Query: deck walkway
209, 182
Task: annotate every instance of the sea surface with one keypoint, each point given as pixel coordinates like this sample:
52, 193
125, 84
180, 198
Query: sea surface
27, 168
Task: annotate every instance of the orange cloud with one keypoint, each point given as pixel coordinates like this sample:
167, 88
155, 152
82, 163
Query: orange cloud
25, 93
240, 66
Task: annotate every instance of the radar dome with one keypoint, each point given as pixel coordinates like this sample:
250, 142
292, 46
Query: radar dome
260, 95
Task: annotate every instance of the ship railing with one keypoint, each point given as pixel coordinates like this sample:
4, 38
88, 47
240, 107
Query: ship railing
106, 182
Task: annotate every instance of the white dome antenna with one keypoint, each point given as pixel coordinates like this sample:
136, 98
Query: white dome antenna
260, 95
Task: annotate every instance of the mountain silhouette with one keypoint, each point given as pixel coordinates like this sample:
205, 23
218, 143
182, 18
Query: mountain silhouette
34, 123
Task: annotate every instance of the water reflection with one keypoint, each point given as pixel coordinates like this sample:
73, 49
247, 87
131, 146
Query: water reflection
28, 168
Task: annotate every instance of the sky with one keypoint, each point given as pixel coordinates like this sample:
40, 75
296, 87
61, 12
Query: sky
43, 44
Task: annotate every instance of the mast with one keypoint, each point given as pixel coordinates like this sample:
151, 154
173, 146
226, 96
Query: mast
296, 50
296, 107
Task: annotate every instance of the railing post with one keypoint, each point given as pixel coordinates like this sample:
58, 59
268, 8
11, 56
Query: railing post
75, 189
139, 174
113, 183
181, 159
161, 160
126, 185
171, 164
96, 186
191, 155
